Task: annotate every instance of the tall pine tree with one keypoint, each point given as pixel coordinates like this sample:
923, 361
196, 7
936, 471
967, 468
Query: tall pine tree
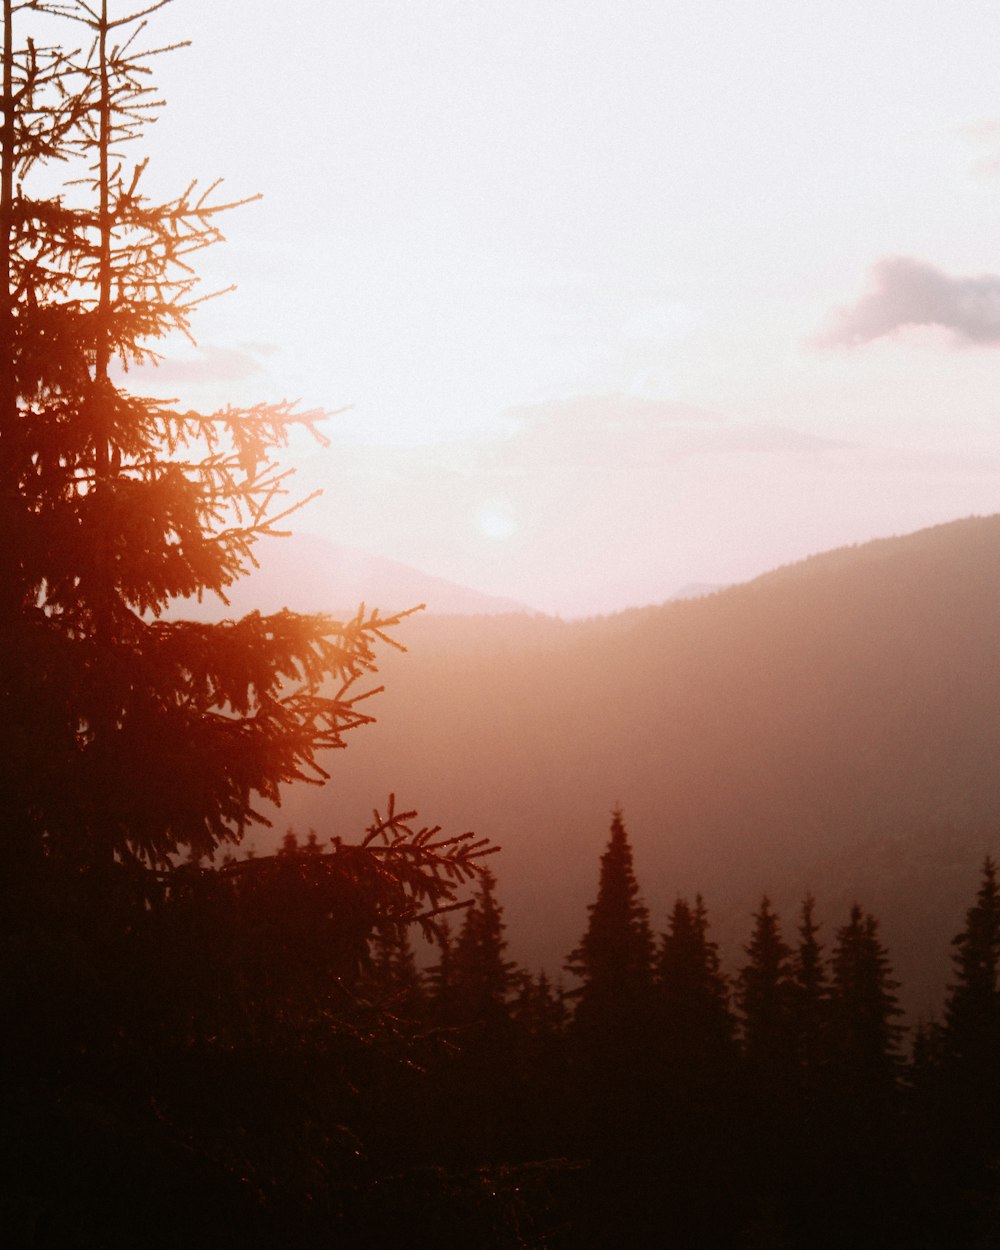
694, 1026
124, 736
481, 977
864, 1033
972, 1014
764, 995
809, 994
615, 957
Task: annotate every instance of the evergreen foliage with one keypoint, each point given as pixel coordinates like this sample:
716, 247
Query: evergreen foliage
764, 993
394, 970
440, 977
125, 736
809, 992
539, 1008
481, 976
206, 1030
694, 1023
864, 1034
615, 956
972, 1012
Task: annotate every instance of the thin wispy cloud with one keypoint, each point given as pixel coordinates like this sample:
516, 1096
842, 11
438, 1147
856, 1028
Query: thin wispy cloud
209, 365
983, 135
907, 292
596, 431
260, 348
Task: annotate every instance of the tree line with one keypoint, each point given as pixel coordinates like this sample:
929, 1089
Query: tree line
257, 1049
656, 1071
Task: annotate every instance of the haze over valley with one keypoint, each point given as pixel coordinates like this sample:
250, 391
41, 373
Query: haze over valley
830, 726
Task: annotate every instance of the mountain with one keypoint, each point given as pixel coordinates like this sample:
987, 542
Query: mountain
833, 726
312, 574
697, 590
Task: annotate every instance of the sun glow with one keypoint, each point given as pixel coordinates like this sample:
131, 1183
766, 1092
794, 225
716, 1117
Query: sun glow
496, 521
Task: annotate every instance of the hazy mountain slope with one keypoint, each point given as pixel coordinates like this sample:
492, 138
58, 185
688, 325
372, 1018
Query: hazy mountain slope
834, 724
312, 574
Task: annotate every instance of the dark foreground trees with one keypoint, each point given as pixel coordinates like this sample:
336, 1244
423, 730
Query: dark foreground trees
187, 1042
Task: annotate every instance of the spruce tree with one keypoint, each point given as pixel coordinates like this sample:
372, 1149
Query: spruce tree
439, 978
394, 970
225, 996
972, 1013
615, 956
482, 977
694, 1026
864, 1035
124, 736
764, 995
539, 1008
809, 993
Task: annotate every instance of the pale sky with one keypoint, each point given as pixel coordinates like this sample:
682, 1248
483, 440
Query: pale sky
622, 294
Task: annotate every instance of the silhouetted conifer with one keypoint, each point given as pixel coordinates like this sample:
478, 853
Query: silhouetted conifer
764, 995
539, 1007
694, 1025
125, 736
972, 1012
809, 993
481, 976
926, 1052
394, 970
864, 1035
439, 978
615, 957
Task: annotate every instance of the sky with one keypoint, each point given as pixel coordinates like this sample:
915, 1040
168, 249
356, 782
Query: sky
618, 295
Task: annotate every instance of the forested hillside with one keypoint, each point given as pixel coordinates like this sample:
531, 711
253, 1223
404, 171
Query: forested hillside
832, 725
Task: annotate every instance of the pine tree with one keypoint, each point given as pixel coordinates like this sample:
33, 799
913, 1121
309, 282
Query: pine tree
764, 995
539, 1008
128, 739
972, 1013
394, 970
615, 956
694, 1025
439, 978
864, 1035
809, 993
124, 736
482, 977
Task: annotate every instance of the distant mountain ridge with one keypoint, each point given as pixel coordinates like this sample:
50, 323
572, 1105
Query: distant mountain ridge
696, 590
833, 725
309, 573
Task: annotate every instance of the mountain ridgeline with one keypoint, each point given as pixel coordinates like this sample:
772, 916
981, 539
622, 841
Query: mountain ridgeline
833, 726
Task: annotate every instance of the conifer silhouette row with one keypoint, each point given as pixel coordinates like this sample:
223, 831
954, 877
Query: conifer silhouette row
781, 1002
789, 1010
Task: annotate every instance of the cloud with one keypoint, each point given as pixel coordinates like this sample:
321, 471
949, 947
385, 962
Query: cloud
610, 434
908, 292
983, 134
591, 431
260, 349
983, 128
211, 364
618, 413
